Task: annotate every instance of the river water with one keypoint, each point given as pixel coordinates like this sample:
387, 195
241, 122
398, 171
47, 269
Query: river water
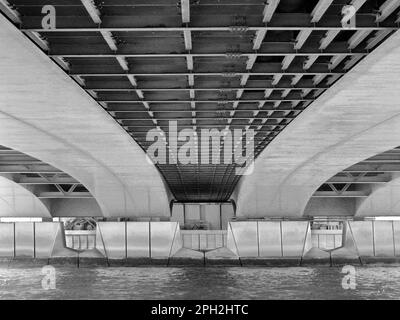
372, 282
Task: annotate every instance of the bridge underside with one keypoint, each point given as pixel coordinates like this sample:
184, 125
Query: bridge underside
351, 128
45, 115
80, 97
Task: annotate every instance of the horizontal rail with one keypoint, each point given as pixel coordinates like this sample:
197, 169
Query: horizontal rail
227, 28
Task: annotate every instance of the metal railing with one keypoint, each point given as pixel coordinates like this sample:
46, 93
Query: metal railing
203, 240
80, 239
326, 239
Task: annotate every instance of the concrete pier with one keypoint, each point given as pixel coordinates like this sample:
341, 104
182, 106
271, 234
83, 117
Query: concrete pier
266, 243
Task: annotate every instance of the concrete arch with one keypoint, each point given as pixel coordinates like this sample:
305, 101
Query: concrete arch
356, 118
16, 201
384, 200
44, 114
24, 197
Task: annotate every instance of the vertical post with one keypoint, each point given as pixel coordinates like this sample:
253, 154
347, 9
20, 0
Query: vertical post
220, 216
184, 214
373, 237
258, 241
126, 239
34, 239
150, 239
14, 239
280, 229
394, 240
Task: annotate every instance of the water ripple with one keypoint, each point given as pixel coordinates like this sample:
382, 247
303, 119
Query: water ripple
375, 282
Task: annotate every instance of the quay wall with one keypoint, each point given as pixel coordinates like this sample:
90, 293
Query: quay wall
247, 242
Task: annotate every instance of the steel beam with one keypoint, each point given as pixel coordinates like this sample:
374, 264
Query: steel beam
319, 10
12, 14
221, 54
92, 10
300, 27
269, 10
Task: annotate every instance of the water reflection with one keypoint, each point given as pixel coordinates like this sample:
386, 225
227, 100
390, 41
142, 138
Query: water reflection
201, 283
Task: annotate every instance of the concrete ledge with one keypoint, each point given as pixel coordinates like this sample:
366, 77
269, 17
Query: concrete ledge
5, 262
270, 262
91, 258
316, 262
341, 261
27, 262
187, 262
64, 261
343, 256
133, 262
221, 257
222, 263
92, 262
130, 262
380, 260
159, 262
187, 257
316, 256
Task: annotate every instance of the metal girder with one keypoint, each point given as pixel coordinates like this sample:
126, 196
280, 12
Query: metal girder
206, 101
357, 38
323, 65
357, 4
309, 62
12, 14
187, 35
92, 10
46, 181
63, 64
206, 118
320, 9
333, 79
301, 39
221, 54
303, 27
26, 171
185, 9
386, 9
356, 180
295, 81
38, 39
329, 36
292, 86
269, 10
287, 60
189, 61
333, 194
350, 63
222, 74
259, 38
335, 61
373, 168
123, 63
378, 37
132, 79
108, 37
59, 195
